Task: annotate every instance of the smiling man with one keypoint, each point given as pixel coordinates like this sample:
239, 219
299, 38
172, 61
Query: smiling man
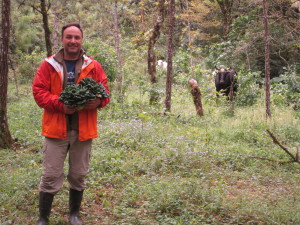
66, 130
72, 42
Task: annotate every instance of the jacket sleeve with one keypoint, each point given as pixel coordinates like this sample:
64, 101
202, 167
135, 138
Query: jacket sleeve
101, 78
42, 92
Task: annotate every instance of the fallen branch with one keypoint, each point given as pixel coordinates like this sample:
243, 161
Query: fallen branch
275, 140
267, 159
295, 159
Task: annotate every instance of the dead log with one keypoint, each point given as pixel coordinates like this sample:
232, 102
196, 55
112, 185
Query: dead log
196, 93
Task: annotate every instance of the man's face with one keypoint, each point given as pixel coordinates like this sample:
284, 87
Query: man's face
72, 42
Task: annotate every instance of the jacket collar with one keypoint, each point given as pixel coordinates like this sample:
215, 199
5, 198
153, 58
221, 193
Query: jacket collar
59, 56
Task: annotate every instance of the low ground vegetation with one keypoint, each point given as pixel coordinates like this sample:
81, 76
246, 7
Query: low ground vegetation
154, 168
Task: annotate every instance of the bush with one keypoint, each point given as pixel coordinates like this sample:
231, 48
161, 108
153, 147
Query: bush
105, 54
248, 88
181, 62
29, 63
286, 89
221, 54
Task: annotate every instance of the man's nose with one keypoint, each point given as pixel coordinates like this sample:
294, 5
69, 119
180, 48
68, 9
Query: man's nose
73, 39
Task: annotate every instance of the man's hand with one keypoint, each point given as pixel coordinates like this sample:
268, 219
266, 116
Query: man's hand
92, 104
68, 110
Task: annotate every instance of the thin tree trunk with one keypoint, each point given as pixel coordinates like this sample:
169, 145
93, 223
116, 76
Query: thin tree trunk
151, 54
226, 8
142, 11
117, 46
169, 80
267, 59
15, 75
5, 136
43, 9
190, 39
55, 33
46, 28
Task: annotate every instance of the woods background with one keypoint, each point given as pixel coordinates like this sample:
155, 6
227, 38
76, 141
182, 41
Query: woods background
157, 161
206, 34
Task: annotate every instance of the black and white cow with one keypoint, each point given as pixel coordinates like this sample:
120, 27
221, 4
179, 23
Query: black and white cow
225, 82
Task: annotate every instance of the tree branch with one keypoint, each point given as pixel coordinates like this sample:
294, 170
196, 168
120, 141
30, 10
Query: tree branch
48, 6
283, 147
271, 160
36, 9
275, 140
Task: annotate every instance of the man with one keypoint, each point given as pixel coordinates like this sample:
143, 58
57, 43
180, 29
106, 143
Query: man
66, 130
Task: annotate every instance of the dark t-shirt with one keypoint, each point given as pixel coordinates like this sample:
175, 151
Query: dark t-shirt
72, 120
70, 64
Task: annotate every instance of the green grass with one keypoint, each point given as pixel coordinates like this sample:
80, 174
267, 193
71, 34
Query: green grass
150, 168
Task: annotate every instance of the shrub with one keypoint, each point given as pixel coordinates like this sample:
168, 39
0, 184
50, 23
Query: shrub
29, 63
105, 54
134, 68
286, 89
248, 88
181, 62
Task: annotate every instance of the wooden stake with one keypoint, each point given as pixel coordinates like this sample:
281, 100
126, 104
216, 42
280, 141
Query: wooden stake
196, 93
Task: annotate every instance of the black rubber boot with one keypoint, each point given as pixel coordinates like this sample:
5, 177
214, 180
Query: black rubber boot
75, 199
45, 205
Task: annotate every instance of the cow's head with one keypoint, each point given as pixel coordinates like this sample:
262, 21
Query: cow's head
221, 73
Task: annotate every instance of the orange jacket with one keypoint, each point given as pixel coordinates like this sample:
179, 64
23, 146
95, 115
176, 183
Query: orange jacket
47, 86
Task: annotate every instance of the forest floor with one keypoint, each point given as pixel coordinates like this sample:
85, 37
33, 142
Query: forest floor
148, 167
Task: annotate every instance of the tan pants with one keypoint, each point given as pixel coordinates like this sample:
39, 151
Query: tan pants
54, 155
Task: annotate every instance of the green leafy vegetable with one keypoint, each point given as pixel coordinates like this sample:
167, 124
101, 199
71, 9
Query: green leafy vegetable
95, 88
77, 95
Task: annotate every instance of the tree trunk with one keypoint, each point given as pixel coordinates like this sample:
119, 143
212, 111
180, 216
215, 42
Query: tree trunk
169, 80
15, 75
226, 9
5, 136
44, 13
117, 46
56, 32
142, 12
190, 39
151, 54
267, 59
196, 93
